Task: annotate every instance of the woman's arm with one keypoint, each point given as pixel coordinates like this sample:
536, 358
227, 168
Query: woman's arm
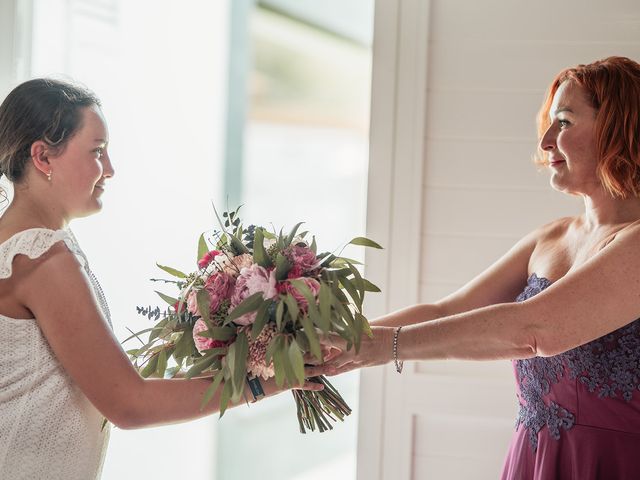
500, 283
58, 293
595, 299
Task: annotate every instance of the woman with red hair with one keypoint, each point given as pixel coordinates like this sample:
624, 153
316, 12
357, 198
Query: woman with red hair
564, 302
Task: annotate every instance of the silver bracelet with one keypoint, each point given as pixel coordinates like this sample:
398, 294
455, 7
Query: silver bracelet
399, 363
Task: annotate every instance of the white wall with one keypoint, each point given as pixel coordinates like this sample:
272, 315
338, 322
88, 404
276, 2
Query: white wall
487, 67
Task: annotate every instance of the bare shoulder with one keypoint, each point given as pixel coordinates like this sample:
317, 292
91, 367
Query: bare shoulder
556, 229
626, 240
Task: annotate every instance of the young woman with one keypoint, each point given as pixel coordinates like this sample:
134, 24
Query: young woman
62, 370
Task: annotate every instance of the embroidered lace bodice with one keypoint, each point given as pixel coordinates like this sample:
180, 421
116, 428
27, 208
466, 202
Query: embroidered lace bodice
48, 428
554, 391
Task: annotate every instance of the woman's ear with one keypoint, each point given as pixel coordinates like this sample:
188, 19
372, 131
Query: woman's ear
40, 156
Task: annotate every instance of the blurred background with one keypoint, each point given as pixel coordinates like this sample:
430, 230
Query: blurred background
257, 103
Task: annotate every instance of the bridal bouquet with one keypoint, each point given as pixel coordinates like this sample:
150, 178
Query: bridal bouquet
258, 302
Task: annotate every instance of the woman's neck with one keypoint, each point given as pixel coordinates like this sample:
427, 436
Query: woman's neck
27, 212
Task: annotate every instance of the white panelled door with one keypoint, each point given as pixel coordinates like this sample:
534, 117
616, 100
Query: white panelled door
456, 87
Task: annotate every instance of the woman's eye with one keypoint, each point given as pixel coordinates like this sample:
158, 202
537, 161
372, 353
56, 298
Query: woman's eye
563, 123
99, 151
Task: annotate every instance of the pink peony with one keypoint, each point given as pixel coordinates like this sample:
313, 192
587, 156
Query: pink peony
219, 287
204, 343
295, 272
208, 258
234, 265
303, 257
252, 280
311, 283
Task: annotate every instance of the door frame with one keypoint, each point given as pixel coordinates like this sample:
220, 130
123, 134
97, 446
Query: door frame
394, 219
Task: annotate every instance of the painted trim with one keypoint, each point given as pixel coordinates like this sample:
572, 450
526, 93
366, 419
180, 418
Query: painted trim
394, 219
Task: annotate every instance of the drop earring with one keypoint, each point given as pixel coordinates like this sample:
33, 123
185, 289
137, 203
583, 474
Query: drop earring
49, 176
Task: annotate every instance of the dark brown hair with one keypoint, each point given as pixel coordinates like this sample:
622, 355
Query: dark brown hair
39, 109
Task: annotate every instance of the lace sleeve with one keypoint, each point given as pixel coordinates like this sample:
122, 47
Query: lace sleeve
33, 243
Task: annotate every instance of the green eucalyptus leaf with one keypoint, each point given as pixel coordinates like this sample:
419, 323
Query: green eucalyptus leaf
353, 292
170, 300
150, 367
185, 346
292, 306
270, 349
279, 314
172, 271
370, 287
137, 334
237, 361
208, 394
324, 297
162, 363
203, 249
278, 360
220, 333
340, 261
310, 331
158, 329
282, 267
261, 319
260, 255
238, 247
227, 392
289, 372
297, 362
205, 362
358, 282
303, 341
249, 304
364, 242
292, 234
204, 304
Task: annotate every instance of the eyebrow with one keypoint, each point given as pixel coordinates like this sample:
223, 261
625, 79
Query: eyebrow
101, 140
563, 109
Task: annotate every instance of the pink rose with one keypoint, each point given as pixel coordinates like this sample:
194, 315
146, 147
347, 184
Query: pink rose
204, 343
311, 283
208, 258
252, 280
303, 257
219, 287
192, 303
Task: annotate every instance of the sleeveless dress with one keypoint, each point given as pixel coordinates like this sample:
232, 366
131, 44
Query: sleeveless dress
579, 415
48, 427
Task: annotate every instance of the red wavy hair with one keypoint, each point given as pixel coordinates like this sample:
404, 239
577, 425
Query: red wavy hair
613, 87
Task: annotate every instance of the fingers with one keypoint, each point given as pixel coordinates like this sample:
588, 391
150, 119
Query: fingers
332, 353
329, 353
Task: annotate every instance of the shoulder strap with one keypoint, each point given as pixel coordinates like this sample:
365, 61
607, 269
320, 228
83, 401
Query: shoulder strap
33, 243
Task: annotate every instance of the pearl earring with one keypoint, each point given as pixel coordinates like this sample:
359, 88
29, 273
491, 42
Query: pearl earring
49, 175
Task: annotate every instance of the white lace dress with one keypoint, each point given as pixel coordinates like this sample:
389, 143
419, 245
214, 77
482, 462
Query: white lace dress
48, 427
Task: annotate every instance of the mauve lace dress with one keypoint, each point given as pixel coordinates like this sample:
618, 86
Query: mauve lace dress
579, 412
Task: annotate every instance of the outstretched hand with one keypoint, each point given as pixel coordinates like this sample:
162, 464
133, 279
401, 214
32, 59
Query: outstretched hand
337, 359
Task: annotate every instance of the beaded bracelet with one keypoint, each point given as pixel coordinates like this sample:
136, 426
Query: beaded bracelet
399, 363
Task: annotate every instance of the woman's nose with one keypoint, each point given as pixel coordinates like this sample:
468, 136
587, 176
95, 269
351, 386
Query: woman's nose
548, 140
107, 168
